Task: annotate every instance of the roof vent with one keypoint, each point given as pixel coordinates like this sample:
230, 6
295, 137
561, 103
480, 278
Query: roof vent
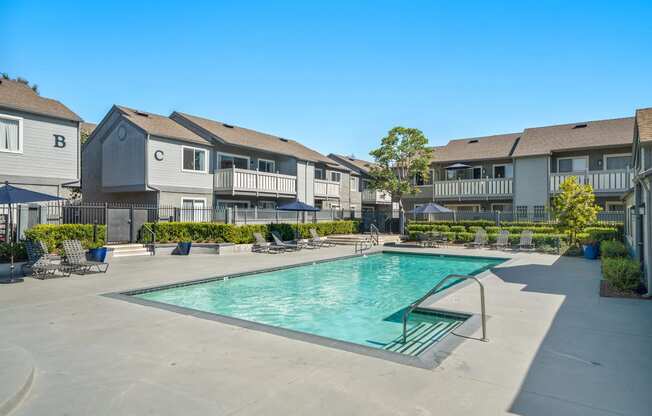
473, 141
140, 113
283, 140
228, 126
580, 126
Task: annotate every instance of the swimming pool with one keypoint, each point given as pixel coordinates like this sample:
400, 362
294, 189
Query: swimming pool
357, 300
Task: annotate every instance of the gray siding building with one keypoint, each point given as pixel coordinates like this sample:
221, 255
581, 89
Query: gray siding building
39, 141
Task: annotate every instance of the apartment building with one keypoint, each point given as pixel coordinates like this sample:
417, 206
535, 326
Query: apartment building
370, 199
194, 162
39, 141
521, 172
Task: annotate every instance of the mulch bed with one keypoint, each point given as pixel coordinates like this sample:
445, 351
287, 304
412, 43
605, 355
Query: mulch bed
606, 291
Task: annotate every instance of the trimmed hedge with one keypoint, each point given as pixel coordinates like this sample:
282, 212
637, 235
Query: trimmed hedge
613, 248
622, 273
209, 232
53, 235
19, 252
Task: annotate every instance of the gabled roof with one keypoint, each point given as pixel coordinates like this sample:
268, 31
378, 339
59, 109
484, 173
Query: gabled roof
583, 135
240, 136
19, 96
499, 146
87, 128
644, 124
359, 165
161, 126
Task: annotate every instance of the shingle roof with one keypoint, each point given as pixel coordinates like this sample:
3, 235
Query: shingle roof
240, 136
583, 135
476, 148
16, 95
362, 166
644, 124
88, 128
162, 126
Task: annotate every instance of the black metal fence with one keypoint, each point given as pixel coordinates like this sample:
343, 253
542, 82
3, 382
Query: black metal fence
542, 216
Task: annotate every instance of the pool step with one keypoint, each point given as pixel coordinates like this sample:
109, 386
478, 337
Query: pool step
130, 250
351, 239
421, 337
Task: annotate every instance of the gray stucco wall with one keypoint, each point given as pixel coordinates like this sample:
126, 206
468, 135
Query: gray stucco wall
175, 198
39, 157
169, 173
123, 160
531, 181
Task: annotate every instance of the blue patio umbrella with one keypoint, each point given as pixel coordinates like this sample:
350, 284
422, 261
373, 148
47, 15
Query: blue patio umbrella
297, 206
10, 195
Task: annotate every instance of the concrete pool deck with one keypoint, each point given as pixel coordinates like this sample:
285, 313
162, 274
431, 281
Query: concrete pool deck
554, 347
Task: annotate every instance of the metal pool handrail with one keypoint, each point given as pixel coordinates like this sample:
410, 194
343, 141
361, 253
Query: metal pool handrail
374, 232
363, 245
414, 305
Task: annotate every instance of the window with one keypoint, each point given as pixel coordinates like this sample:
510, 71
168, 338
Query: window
265, 165
335, 176
11, 134
501, 207
319, 174
194, 159
193, 210
614, 206
266, 205
464, 207
418, 180
504, 171
477, 172
366, 184
355, 183
617, 162
222, 205
230, 161
572, 164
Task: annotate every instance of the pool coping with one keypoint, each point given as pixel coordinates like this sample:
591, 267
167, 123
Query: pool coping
430, 358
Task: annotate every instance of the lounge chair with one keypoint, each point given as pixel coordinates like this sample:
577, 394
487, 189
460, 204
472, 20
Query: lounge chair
263, 246
480, 239
432, 239
280, 243
75, 259
526, 243
320, 241
502, 241
40, 264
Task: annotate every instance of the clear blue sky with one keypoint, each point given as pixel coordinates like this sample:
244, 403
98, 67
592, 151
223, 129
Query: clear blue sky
336, 75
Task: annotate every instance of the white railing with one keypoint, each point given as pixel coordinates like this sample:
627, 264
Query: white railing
474, 187
327, 188
600, 180
373, 196
233, 180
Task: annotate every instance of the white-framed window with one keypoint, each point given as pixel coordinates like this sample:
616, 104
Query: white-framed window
464, 207
617, 161
614, 206
225, 203
266, 165
193, 209
229, 161
505, 170
11, 134
195, 159
319, 174
266, 205
501, 207
572, 164
355, 183
335, 176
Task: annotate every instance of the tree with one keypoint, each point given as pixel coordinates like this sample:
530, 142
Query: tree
575, 207
401, 157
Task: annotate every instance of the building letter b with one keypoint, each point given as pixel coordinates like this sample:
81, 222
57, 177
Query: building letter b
59, 141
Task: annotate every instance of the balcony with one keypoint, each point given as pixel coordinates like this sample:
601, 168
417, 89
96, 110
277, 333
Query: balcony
372, 196
234, 181
325, 188
474, 188
601, 180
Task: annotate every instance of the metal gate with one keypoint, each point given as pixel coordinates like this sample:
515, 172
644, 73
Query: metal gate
124, 224
383, 219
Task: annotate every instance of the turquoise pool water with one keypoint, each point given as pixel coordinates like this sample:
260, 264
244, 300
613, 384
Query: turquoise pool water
357, 299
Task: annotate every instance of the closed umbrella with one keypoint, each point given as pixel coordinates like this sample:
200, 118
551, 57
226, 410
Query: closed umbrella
458, 166
12, 195
297, 206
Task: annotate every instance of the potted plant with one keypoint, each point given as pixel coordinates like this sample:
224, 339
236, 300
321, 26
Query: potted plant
96, 251
591, 249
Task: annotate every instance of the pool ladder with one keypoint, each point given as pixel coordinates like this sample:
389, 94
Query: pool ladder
434, 290
369, 241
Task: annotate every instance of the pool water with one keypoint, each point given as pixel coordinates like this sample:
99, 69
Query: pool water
358, 299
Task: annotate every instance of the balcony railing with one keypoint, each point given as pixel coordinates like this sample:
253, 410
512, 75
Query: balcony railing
494, 187
373, 196
600, 180
243, 180
327, 188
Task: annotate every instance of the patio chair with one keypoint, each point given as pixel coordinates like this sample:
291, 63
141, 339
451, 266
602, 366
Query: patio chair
280, 243
432, 239
480, 239
421, 239
40, 264
263, 246
75, 259
525, 242
502, 241
322, 241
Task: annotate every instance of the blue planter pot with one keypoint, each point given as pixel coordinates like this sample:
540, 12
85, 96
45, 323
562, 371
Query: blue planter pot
97, 254
591, 251
183, 249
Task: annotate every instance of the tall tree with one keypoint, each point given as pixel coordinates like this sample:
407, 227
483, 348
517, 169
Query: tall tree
575, 207
403, 155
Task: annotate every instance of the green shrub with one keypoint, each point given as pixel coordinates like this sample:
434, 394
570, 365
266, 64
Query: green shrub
19, 252
623, 274
53, 235
602, 234
458, 228
613, 248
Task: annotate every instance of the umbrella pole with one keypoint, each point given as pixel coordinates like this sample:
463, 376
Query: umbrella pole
11, 246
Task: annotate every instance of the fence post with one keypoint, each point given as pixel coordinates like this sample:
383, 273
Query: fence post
228, 216
497, 213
